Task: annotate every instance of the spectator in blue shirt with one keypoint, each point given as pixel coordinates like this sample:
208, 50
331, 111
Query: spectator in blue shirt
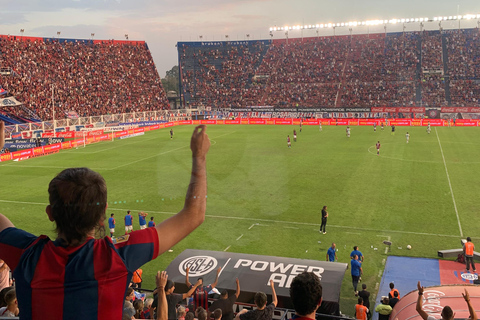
332, 253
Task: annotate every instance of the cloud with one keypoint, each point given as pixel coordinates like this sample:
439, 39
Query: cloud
12, 18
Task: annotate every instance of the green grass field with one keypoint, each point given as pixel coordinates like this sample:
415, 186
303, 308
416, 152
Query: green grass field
253, 178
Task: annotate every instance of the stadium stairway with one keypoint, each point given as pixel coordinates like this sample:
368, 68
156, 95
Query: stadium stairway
446, 74
418, 83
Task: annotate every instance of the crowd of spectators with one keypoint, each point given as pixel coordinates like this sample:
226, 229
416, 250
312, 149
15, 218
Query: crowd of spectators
463, 48
88, 78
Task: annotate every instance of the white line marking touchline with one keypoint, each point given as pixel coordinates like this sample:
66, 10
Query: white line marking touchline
240, 237
264, 220
450, 185
227, 248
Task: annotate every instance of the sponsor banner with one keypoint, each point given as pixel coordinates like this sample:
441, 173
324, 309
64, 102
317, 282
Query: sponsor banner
132, 135
22, 153
312, 122
243, 121
232, 121
466, 123
155, 127
102, 137
20, 146
66, 145
433, 122
185, 122
256, 121
10, 102
138, 130
417, 122
121, 133
89, 140
400, 122
255, 272
208, 121
76, 143
48, 135
368, 122
283, 121
52, 148
168, 124
460, 110
5, 156
38, 151
353, 122
34, 140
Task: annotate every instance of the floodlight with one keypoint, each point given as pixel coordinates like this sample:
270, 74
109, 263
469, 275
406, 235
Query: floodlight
317, 25
450, 18
309, 26
478, 16
421, 19
363, 23
271, 29
329, 25
298, 27
445, 18
454, 17
469, 16
435, 18
426, 19
321, 26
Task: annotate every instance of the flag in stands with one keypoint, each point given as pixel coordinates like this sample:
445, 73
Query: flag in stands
3, 91
72, 115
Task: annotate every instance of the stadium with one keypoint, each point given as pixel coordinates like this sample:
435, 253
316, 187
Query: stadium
378, 126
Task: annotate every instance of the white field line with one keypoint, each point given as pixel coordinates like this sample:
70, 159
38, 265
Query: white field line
266, 220
240, 237
226, 248
450, 185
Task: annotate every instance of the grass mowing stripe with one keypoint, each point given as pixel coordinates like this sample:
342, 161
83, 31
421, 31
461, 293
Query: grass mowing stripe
267, 220
449, 184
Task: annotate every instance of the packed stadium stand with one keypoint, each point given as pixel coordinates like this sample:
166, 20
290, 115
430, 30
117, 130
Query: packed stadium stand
429, 68
88, 78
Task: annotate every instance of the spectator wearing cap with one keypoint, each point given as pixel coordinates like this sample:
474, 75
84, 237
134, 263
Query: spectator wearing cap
225, 303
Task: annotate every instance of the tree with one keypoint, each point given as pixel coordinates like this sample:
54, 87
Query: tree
170, 82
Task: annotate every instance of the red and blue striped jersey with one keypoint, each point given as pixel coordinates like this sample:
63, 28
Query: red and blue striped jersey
85, 282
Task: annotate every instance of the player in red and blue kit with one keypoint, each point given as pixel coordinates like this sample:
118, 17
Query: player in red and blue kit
151, 223
141, 220
128, 222
111, 225
87, 277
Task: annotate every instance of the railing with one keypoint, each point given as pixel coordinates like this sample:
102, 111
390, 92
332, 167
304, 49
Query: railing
167, 115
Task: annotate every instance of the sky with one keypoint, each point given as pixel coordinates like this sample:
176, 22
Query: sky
162, 23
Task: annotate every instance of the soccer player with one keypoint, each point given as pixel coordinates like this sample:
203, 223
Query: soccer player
407, 136
348, 132
141, 220
375, 127
128, 222
300, 125
289, 144
76, 267
320, 125
381, 124
171, 134
151, 223
393, 129
294, 135
111, 225
378, 147
428, 128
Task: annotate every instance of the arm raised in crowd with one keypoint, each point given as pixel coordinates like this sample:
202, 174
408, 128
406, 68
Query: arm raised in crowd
174, 229
274, 294
162, 307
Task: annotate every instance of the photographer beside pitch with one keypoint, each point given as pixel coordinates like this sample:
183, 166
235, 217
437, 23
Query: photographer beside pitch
78, 270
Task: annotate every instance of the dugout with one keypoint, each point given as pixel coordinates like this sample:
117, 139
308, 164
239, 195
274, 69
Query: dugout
254, 273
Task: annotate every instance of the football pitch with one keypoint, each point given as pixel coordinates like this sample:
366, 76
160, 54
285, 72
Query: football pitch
265, 198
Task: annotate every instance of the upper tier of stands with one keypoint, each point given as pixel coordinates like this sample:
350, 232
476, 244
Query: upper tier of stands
88, 77
429, 68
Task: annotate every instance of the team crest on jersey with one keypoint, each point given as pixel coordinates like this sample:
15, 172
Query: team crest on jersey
121, 239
